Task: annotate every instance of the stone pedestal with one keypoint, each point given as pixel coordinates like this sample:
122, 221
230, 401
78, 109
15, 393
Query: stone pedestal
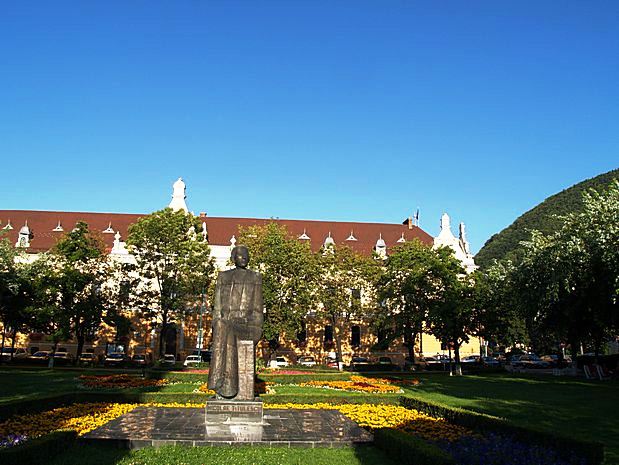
233, 412
246, 356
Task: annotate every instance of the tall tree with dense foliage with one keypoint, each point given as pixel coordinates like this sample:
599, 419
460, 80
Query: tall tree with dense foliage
568, 281
16, 292
174, 263
410, 285
346, 288
77, 270
289, 277
450, 316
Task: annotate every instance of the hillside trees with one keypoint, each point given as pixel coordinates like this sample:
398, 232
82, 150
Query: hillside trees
174, 265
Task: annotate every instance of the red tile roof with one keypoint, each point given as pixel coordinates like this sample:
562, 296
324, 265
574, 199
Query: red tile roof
220, 229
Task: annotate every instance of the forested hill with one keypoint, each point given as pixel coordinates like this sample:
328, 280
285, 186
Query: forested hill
541, 217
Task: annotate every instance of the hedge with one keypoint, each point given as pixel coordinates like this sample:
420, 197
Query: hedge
407, 449
38, 450
592, 452
177, 376
296, 379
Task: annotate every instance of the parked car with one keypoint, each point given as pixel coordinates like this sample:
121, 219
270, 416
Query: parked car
490, 362
438, 362
17, 352
307, 360
192, 360
205, 355
42, 356
168, 360
87, 359
357, 362
471, 360
385, 361
116, 359
528, 361
278, 362
63, 358
331, 362
140, 360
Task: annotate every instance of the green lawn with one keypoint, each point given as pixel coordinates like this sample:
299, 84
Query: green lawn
91, 455
576, 408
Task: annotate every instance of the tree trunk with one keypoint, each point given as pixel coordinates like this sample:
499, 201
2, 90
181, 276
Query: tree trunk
458, 371
80, 343
338, 342
14, 335
3, 338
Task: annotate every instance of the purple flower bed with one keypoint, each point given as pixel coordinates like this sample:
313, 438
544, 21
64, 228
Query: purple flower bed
496, 449
12, 440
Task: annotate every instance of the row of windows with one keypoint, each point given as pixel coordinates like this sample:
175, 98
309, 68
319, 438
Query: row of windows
355, 335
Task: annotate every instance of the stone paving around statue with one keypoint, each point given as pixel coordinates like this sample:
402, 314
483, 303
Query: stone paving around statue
154, 426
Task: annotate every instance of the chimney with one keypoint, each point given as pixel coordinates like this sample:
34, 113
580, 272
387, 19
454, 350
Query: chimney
202, 214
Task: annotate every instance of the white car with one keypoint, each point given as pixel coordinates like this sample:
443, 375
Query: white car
192, 360
168, 359
278, 362
307, 361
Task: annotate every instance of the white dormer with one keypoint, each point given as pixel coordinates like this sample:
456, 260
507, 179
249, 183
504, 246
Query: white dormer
381, 247
204, 232
233, 241
329, 244
109, 229
58, 228
178, 196
8, 226
401, 240
23, 239
351, 237
304, 236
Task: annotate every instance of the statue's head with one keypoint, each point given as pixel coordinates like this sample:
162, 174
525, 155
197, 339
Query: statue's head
240, 256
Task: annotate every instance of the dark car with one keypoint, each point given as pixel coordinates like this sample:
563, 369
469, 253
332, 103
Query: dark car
115, 360
40, 357
63, 358
140, 360
87, 359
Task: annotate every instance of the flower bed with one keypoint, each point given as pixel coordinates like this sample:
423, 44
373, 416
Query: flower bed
359, 384
122, 381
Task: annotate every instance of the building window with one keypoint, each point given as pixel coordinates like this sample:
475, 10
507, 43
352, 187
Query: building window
302, 334
355, 336
328, 334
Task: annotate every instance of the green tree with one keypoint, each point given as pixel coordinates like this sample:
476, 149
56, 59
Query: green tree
346, 288
410, 285
289, 277
568, 281
77, 270
16, 292
450, 315
175, 266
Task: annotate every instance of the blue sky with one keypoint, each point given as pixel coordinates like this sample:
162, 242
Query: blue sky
354, 110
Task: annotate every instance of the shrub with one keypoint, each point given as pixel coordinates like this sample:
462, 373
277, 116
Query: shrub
410, 450
38, 450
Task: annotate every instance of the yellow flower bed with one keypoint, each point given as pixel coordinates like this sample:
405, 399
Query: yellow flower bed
204, 388
84, 418
357, 384
79, 417
390, 416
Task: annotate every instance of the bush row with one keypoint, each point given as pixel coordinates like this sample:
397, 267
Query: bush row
592, 452
407, 449
38, 450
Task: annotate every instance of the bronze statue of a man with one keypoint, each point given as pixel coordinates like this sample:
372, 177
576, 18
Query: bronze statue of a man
237, 316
